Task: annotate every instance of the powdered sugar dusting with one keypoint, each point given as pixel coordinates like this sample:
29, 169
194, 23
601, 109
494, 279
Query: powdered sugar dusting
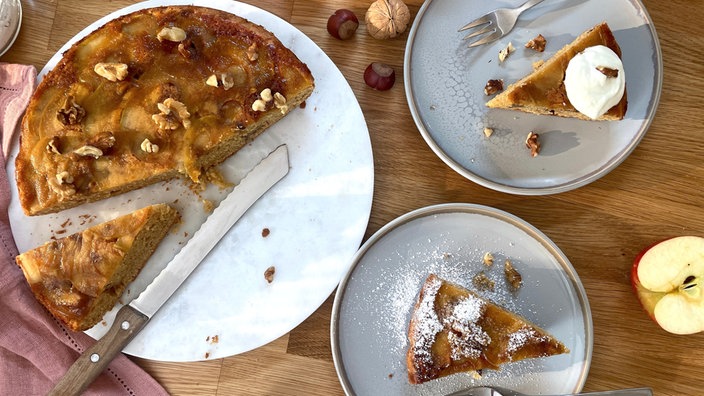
468, 339
427, 323
522, 337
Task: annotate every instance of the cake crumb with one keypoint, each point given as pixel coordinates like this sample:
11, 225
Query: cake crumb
488, 259
488, 131
265, 232
482, 282
505, 52
269, 274
513, 277
208, 205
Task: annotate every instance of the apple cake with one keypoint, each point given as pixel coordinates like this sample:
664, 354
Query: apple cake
454, 330
157, 94
543, 91
80, 277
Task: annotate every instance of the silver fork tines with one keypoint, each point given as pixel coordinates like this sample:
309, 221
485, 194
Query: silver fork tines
499, 22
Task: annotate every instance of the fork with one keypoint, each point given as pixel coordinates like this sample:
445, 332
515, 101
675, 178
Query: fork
498, 23
497, 391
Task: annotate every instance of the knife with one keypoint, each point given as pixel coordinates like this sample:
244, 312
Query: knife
131, 318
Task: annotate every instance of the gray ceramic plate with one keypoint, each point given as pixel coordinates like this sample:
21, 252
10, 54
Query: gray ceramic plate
445, 89
374, 301
10, 23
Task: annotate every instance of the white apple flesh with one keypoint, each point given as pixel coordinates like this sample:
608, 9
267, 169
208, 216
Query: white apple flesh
668, 278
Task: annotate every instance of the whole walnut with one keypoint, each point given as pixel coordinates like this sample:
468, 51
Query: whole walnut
387, 18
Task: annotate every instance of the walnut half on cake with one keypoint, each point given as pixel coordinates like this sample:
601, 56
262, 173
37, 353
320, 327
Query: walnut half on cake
453, 330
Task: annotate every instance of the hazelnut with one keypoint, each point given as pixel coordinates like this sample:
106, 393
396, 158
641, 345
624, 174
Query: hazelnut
380, 76
173, 33
342, 24
111, 71
387, 18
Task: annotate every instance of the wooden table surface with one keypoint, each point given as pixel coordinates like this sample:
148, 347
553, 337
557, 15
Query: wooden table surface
655, 193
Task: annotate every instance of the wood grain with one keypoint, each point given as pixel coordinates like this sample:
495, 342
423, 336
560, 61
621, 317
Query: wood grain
654, 194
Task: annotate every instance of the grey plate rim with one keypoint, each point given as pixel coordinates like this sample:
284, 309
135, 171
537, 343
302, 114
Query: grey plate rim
501, 187
498, 214
9, 44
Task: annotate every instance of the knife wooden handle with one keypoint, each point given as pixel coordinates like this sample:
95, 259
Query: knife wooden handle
95, 359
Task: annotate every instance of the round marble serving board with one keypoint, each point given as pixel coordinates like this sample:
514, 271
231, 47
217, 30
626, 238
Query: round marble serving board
227, 307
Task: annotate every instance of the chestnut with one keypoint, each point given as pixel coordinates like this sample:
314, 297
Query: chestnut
380, 76
342, 24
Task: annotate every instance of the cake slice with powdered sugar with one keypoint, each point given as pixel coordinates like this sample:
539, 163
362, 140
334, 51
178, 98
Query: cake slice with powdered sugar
454, 330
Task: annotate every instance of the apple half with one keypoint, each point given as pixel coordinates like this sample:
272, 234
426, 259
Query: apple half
668, 278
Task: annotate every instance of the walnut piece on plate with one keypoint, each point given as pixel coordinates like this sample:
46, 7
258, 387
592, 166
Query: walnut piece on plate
493, 86
513, 277
537, 44
533, 144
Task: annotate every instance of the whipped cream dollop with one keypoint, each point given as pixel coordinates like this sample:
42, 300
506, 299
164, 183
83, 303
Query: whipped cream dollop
595, 81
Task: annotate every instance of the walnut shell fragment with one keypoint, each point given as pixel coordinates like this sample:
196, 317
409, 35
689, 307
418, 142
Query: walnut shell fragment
387, 18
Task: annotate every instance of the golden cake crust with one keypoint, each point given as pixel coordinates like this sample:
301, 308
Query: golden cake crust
543, 91
160, 93
78, 278
453, 330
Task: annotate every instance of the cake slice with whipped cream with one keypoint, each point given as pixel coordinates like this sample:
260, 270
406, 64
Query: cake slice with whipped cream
454, 330
585, 79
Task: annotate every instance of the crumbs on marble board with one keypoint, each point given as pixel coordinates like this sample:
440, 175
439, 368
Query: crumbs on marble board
212, 339
269, 274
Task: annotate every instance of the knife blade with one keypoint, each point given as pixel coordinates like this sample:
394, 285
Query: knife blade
131, 318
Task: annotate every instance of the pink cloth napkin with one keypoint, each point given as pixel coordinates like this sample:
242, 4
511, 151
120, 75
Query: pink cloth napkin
36, 349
